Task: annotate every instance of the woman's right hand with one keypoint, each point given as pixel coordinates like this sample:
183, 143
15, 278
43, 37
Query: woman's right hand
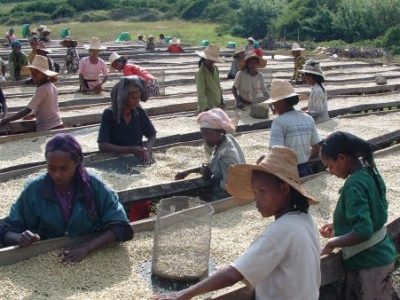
181, 175
27, 238
327, 231
139, 150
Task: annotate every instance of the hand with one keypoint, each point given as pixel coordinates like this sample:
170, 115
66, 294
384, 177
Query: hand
172, 296
147, 157
139, 150
27, 238
327, 231
72, 256
181, 175
206, 172
98, 88
328, 249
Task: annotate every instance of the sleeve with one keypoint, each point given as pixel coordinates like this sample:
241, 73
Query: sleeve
236, 83
82, 65
201, 90
259, 261
227, 160
11, 66
315, 139
105, 130
37, 98
104, 69
111, 212
263, 85
277, 137
358, 210
148, 127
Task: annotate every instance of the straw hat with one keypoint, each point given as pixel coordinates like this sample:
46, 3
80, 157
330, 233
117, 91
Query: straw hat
41, 64
150, 37
280, 162
46, 30
175, 41
280, 90
261, 61
95, 44
113, 57
68, 42
312, 66
210, 53
41, 27
251, 39
296, 47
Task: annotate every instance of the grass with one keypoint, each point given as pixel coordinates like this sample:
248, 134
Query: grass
189, 32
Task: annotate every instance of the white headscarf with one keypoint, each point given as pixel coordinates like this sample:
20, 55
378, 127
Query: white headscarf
216, 118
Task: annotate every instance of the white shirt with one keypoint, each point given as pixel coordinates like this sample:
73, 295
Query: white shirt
249, 87
296, 130
318, 104
284, 262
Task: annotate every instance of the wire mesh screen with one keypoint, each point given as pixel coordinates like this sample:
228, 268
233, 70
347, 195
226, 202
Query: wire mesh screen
182, 239
160, 76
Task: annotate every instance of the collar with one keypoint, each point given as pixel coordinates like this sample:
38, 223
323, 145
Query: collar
48, 190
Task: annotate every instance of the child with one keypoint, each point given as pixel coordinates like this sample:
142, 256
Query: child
120, 63
44, 103
299, 61
318, 103
284, 262
359, 219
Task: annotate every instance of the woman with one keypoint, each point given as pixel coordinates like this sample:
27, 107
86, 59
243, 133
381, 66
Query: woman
215, 126
10, 36
235, 66
318, 102
175, 46
72, 56
17, 61
66, 201
91, 67
120, 63
124, 124
293, 128
209, 91
44, 103
34, 43
359, 219
249, 82
299, 61
283, 263
150, 45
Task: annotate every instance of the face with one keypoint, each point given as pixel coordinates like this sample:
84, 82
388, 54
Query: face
278, 107
117, 65
295, 53
212, 137
61, 167
252, 64
94, 52
309, 79
272, 197
34, 44
16, 49
337, 167
37, 76
133, 98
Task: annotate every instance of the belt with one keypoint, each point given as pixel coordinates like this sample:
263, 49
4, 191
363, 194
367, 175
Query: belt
376, 238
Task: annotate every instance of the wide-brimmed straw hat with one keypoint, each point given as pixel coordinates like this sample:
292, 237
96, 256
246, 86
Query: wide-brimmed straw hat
210, 53
312, 66
280, 161
41, 27
113, 57
296, 47
261, 61
280, 90
95, 44
41, 64
68, 42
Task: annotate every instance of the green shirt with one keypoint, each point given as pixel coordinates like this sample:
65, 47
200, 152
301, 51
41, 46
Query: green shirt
299, 61
363, 210
209, 91
15, 64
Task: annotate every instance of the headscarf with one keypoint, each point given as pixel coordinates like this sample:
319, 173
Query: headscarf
216, 118
16, 44
120, 91
67, 143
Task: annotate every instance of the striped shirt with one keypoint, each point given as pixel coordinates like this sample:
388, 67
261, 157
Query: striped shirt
296, 130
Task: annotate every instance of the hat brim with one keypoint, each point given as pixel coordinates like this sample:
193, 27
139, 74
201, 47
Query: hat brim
240, 178
45, 72
311, 72
298, 49
203, 55
271, 100
48, 51
88, 47
262, 63
114, 59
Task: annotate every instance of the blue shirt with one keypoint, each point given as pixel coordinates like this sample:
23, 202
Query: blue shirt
38, 210
123, 134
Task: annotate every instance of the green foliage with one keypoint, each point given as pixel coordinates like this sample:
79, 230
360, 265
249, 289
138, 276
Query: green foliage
63, 11
96, 16
391, 40
83, 5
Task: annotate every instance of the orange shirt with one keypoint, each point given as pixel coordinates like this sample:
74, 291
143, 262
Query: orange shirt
132, 69
174, 48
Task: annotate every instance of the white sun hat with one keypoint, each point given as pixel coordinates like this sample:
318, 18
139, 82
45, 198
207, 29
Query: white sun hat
113, 57
95, 44
280, 89
210, 53
312, 66
296, 47
41, 64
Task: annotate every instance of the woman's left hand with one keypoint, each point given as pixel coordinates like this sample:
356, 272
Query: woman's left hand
328, 248
147, 157
74, 255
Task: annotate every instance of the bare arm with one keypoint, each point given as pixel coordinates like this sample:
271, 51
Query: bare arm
22, 113
235, 93
345, 240
150, 143
108, 147
315, 150
185, 173
219, 280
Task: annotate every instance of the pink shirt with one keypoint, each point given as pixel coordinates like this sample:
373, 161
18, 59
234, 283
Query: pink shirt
92, 71
131, 69
45, 106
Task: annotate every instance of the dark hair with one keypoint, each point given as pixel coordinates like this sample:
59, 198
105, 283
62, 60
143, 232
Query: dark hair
251, 58
292, 101
161, 36
123, 60
298, 201
67, 143
348, 144
201, 61
318, 79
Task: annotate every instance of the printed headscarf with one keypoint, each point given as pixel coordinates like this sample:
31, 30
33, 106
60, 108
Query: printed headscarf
120, 91
216, 118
